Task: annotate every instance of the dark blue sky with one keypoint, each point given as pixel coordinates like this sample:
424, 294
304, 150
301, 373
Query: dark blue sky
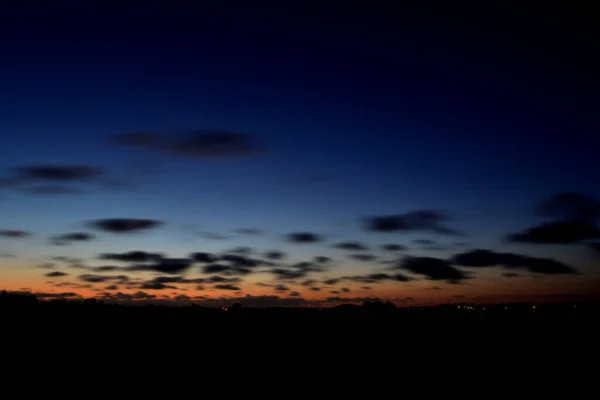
355, 113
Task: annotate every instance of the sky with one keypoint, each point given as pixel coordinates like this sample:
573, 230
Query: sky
224, 152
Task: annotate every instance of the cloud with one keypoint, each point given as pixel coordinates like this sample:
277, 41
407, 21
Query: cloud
560, 232
363, 257
121, 279
241, 250
392, 247
63, 173
315, 289
569, 206
56, 274
111, 287
135, 256
165, 265
294, 294
227, 286
303, 237
423, 220
124, 225
68, 238
481, 258
433, 268
373, 278
281, 288
64, 295
287, 274
215, 268
510, 275
322, 259
14, 234
195, 143
203, 257
358, 246
275, 255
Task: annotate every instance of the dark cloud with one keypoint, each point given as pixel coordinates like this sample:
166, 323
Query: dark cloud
58, 173
111, 287
377, 277
363, 257
433, 268
423, 220
215, 268
366, 287
56, 274
64, 295
294, 294
287, 274
14, 233
275, 255
510, 275
203, 257
135, 256
392, 247
241, 250
124, 225
103, 278
435, 288
68, 238
569, 206
315, 289
560, 232
303, 237
221, 279
241, 261
7, 255
248, 231
155, 285
357, 246
308, 267
346, 290
227, 286
281, 288
195, 143
322, 259
486, 258
165, 265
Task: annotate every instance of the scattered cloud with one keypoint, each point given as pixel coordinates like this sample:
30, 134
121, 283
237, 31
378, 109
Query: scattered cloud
423, 220
481, 258
433, 268
569, 206
560, 232
195, 143
357, 246
56, 274
135, 256
391, 247
68, 238
14, 233
303, 237
125, 225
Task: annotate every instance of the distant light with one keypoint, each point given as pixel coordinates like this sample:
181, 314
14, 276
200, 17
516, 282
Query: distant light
458, 306
534, 307
506, 308
224, 308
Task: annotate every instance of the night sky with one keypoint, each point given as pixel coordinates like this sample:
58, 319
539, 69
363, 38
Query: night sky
201, 153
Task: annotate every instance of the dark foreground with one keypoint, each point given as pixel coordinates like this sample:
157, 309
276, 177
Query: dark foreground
72, 311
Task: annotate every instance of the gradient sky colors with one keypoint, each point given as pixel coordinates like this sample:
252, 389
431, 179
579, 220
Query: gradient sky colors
311, 119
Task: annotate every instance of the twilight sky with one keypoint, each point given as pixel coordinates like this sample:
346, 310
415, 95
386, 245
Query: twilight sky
269, 155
